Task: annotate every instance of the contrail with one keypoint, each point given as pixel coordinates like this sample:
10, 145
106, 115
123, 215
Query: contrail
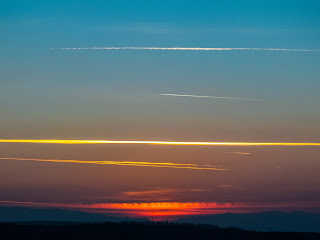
190, 49
70, 141
215, 97
125, 163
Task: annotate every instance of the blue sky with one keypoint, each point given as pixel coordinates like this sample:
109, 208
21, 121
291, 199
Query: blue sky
282, 24
51, 88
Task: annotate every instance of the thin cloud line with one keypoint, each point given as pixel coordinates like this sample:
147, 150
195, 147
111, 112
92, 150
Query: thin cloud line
77, 141
125, 163
242, 153
214, 97
190, 49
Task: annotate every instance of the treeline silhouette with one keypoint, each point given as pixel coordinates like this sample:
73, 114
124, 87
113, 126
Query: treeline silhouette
135, 230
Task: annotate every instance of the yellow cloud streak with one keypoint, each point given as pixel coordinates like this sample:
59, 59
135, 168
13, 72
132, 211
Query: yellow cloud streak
242, 153
125, 163
70, 141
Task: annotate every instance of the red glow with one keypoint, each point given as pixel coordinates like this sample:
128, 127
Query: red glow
159, 211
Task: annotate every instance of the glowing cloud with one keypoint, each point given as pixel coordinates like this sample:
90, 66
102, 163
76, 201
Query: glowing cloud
166, 210
155, 193
124, 163
70, 141
151, 192
149, 195
214, 97
242, 153
190, 49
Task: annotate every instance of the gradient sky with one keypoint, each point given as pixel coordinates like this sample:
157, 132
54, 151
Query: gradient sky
47, 92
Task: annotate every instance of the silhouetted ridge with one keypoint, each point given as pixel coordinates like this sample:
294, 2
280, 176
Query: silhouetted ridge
263, 221
22, 214
131, 230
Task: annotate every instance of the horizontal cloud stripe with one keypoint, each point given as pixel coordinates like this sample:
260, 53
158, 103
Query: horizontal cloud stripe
77, 141
191, 49
214, 97
124, 163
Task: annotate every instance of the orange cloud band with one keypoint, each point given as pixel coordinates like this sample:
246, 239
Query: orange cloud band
70, 141
166, 210
125, 163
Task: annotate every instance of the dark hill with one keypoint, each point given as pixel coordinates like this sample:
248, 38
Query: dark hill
22, 214
133, 231
263, 221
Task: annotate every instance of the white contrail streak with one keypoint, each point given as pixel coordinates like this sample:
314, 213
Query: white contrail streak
191, 49
215, 97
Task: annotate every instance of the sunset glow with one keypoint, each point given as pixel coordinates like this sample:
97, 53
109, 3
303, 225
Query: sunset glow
162, 210
160, 110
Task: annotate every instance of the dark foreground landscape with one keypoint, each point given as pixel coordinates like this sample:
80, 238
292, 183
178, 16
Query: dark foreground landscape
131, 230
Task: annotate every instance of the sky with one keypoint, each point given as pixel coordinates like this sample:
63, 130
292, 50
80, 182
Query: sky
169, 71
